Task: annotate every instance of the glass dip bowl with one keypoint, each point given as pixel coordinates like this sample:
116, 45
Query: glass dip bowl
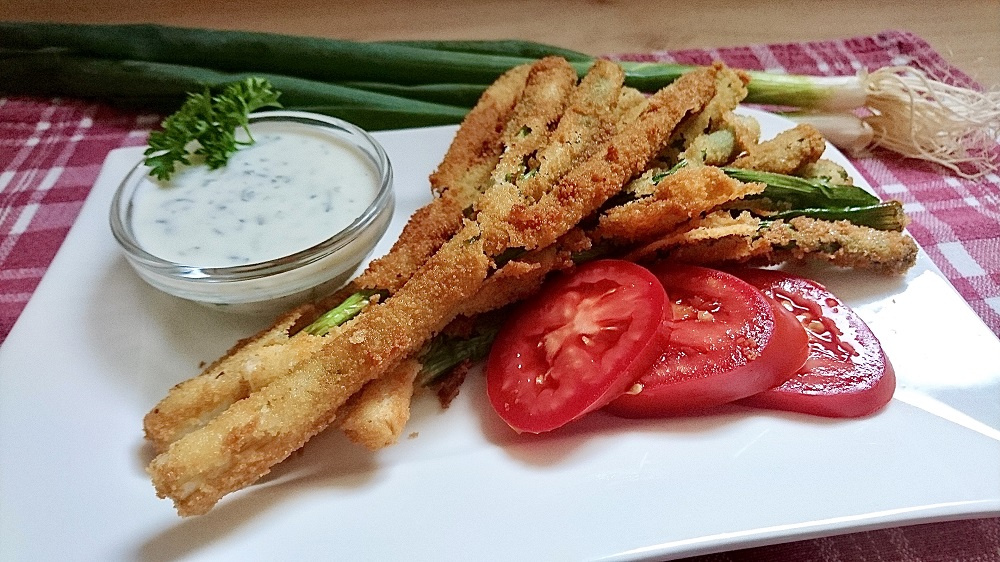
288, 219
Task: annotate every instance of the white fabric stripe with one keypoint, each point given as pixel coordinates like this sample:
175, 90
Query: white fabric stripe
26, 150
50, 178
5, 178
767, 58
22, 273
821, 65
853, 58
14, 297
24, 219
894, 188
993, 303
959, 258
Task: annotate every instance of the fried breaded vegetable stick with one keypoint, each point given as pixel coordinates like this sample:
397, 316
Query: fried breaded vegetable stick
546, 96
460, 178
786, 153
735, 136
553, 130
588, 121
242, 443
730, 90
670, 201
375, 416
192, 403
587, 186
475, 150
839, 243
720, 239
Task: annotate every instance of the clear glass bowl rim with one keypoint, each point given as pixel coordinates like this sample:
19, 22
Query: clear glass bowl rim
159, 266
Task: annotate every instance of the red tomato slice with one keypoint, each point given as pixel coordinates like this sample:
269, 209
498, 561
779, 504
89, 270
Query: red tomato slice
847, 374
726, 342
575, 346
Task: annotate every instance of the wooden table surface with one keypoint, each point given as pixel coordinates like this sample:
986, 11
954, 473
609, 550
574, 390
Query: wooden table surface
966, 32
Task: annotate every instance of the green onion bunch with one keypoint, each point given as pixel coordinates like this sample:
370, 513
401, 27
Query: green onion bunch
401, 84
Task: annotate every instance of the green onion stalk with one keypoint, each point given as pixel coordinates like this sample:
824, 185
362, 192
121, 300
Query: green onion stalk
398, 84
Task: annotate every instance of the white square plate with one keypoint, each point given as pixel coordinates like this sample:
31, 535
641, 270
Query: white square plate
96, 348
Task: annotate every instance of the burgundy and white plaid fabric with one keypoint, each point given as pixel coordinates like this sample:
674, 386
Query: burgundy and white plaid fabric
52, 150
956, 221
50, 154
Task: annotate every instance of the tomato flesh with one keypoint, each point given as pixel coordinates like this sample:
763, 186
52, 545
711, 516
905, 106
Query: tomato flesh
724, 341
847, 374
576, 345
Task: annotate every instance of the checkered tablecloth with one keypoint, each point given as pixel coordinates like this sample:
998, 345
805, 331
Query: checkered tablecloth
51, 151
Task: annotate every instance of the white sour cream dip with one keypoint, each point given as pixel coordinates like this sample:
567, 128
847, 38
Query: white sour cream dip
293, 188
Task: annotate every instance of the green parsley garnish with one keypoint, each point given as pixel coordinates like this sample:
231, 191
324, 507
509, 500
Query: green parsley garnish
210, 123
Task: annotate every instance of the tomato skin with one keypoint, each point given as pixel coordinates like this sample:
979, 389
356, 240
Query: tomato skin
738, 344
576, 345
847, 373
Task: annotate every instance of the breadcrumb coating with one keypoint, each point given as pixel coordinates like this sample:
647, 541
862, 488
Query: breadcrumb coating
375, 416
190, 404
475, 150
786, 153
676, 198
840, 243
730, 90
721, 239
586, 187
540, 156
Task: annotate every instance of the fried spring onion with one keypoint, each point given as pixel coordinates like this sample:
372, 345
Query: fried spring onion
544, 183
475, 150
192, 403
721, 238
242, 443
674, 199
